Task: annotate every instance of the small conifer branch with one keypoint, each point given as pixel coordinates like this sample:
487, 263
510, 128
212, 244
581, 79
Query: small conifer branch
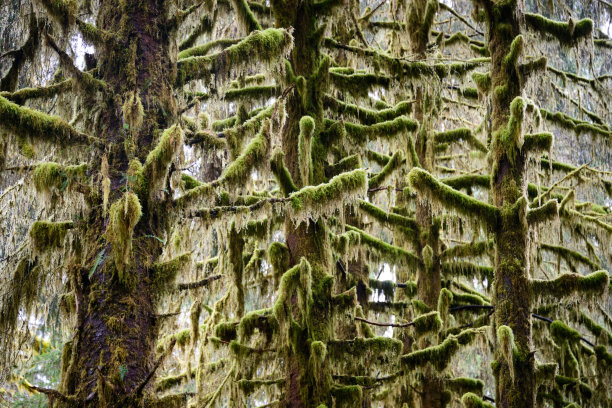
569, 284
26, 122
386, 251
570, 255
425, 183
138, 390
379, 158
24, 94
94, 34
567, 33
388, 129
204, 49
269, 45
205, 25
448, 8
571, 123
409, 324
198, 284
364, 115
49, 392
545, 212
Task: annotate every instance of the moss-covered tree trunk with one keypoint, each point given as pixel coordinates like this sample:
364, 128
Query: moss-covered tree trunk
305, 385
514, 362
113, 347
420, 17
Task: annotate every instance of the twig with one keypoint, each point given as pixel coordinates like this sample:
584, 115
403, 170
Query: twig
198, 284
144, 383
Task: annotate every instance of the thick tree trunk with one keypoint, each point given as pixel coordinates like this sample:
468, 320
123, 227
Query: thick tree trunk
514, 375
113, 347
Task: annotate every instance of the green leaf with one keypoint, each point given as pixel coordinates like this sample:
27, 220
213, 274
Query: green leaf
122, 371
97, 263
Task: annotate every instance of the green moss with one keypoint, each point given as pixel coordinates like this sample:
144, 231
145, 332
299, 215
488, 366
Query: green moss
348, 163
165, 273
548, 211
483, 81
567, 33
427, 323
227, 331
189, 182
516, 49
458, 37
386, 130
569, 255
124, 214
396, 161
389, 219
268, 45
26, 122
561, 332
64, 11
378, 158
307, 127
566, 383
314, 197
250, 386
422, 181
251, 93
462, 385
364, 115
262, 320
347, 396
603, 356
455, 135
47, 176
254, 155
47, 235
569, 284
538, 142
386, 251
158, 160
439, 356
444, 301
471, 400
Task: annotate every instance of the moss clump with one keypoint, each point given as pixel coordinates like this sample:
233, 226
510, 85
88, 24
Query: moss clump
386, 130
124, 214
424, 182
307, 127
439, 356
47, 235
567, 33
471, 400
427, 323
505, 340
158, 160
347, 396
364, 115
227, 331
392, 220
386, 251
549, 210
165, 273
569, 284
378, 158
483, 81
203, 49
189, 182
48, 176
133, 111
254, 155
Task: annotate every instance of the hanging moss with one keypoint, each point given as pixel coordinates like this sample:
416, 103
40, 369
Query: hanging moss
467, 269
427, 323
268, 45
227, 331
505, 340
311, 198
569, 255
538, 142
396, 161
254, 155
378, 158
389, 219
471, 400
165, 273
307, 126
347, 396
203, 49
364, 115
348, 163
483, 81
603, 356
47, 176
26, 122
158, 160
438, 356
386, 251
386, 130
550, 210
567, 33
444, 301
124, 214
47, 235
455, 135
380, 349
424, 182
462, 385
64, 11
133, 111
569, 284
251, 93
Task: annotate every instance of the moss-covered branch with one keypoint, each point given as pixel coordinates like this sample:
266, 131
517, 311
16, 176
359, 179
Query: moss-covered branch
47, 235
545, 212
50, 175
569, 284
566, 33
269, 46
389, 219
396, 161
425, 183
570, 255
364, 115
455, 135
388, 252
26, 122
